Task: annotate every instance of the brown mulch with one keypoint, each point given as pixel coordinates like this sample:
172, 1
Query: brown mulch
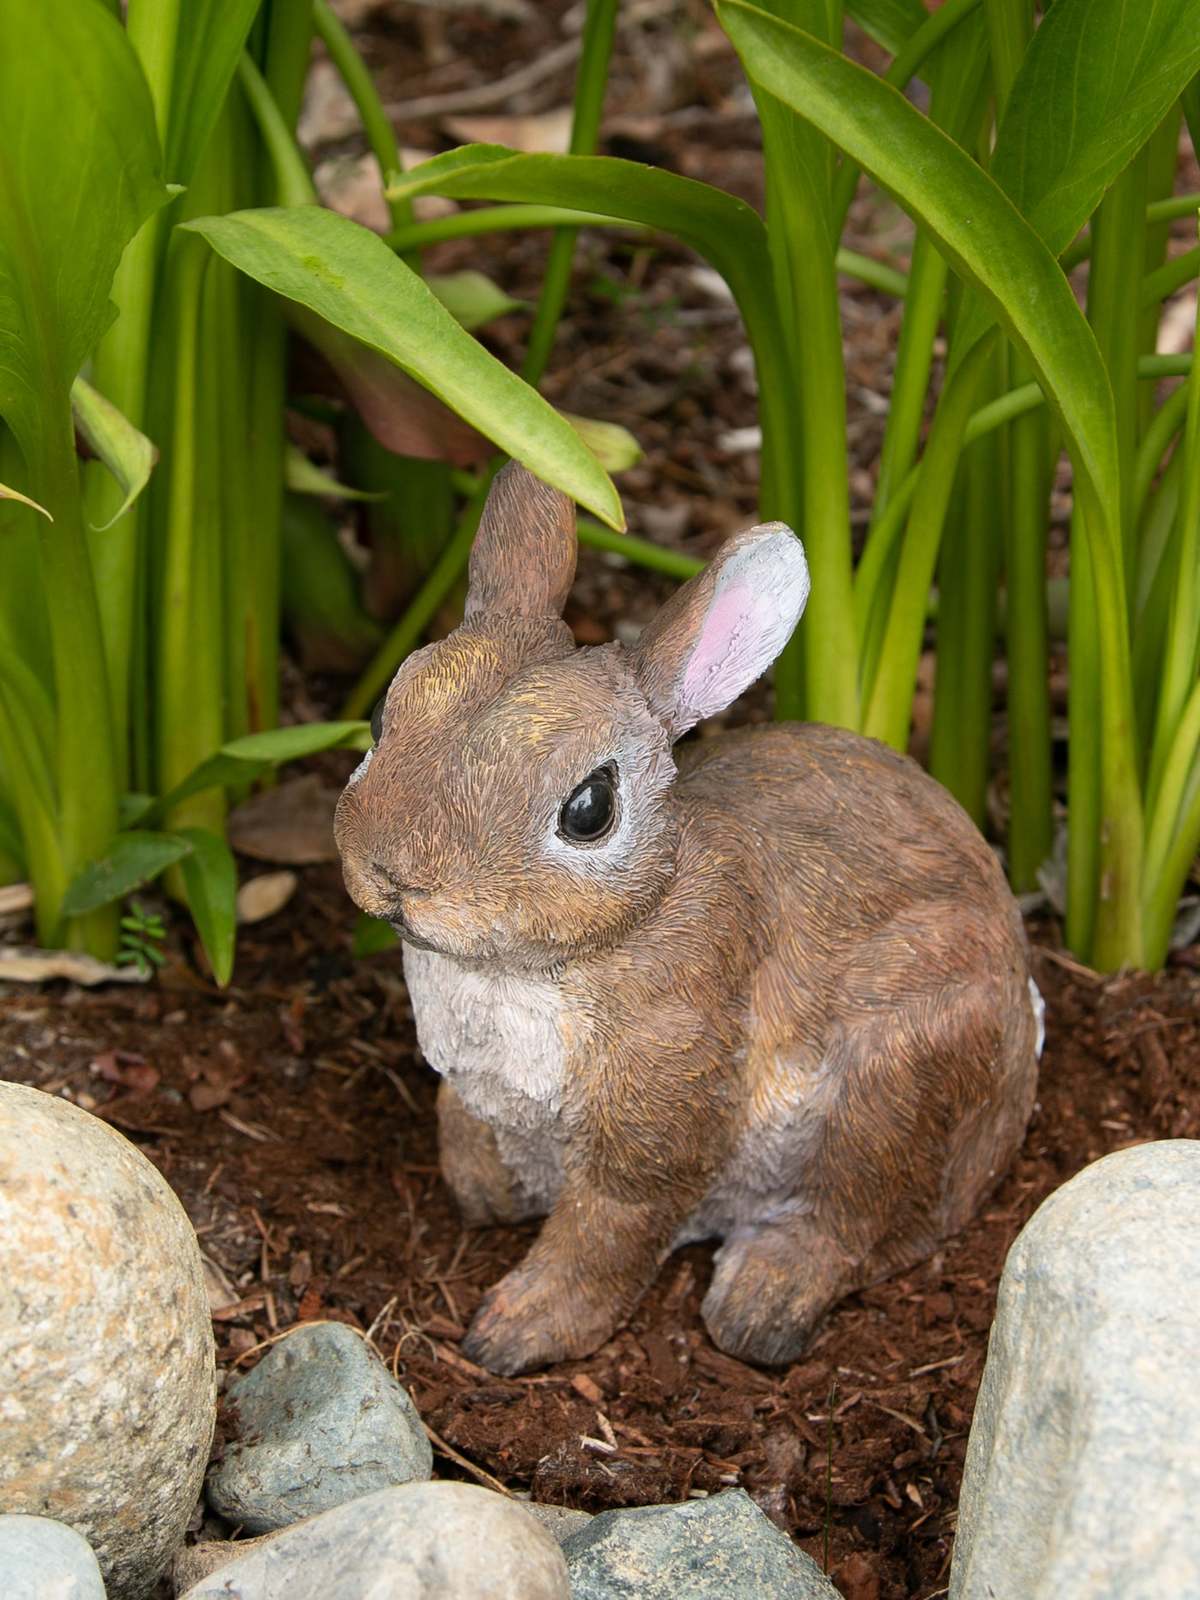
295, 1121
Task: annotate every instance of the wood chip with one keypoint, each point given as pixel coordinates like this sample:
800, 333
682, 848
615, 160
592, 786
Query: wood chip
25, 964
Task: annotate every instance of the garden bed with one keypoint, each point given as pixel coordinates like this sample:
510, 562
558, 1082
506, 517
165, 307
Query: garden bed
293, 1116
296, 1122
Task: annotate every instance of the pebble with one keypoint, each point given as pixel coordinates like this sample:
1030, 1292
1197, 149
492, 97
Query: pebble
423, 1541
319, 1421
1082, 1476
107, 1387
719, 1548
41, 1559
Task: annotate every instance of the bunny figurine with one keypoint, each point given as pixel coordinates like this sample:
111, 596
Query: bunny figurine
772, 991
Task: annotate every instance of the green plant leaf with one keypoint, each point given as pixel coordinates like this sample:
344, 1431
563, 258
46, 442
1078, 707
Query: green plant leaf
23, 499
975, 224
124, 450
471, 298
131, 860
614, 445
371, 936
210, 884
242, 760
1096, 81
79, 172
890, 23
303, 476
348, 276
723, 229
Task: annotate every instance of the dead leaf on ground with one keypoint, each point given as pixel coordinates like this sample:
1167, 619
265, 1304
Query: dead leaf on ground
261, 897
291, 825
546, 133
24, 964
131, 1071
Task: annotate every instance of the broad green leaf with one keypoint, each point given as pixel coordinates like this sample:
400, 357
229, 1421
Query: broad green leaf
1096, 81
348, 276
614, 445
210, 884
371, 936
131, 860
471, 298
79, 172
23, 499
723, 229
891, 23
242, 760
303, 476
976, 225
124, 449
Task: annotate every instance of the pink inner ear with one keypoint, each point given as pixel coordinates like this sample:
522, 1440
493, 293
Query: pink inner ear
703, 677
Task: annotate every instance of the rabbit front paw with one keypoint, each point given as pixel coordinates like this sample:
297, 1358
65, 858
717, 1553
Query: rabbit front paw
534, 1317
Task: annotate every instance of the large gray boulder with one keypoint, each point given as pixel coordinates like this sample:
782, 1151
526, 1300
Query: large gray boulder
107, 1387
1082, 1475
41, 1559
319, 1421
424, 1541
720, 1548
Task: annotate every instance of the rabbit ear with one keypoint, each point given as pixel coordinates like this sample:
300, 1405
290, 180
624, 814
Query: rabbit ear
723, 628
523, 558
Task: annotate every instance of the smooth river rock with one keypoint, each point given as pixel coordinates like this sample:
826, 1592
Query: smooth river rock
1082, 1476
41, 1559
720, 1548
424, 1541
107, 1388
319, 1421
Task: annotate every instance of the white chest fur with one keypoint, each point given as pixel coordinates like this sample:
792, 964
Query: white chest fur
498, 1037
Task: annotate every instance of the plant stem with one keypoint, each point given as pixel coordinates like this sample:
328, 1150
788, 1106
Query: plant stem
407, 634
599, 30
888, 694
377, 125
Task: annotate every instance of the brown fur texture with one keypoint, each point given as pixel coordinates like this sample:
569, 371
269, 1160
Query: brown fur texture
785, 1006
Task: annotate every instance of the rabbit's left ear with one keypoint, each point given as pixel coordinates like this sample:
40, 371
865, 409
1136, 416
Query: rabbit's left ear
723, 628
523, 558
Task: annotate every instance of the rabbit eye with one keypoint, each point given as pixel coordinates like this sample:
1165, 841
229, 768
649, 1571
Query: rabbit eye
587, 812
377, 720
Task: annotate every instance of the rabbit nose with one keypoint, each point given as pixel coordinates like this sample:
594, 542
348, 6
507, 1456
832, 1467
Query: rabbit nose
397, 885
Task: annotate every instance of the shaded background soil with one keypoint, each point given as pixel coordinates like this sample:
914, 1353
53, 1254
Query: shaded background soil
291, 1113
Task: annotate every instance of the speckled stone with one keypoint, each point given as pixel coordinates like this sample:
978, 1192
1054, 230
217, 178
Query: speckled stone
423, 1541
41, 1559
719, 1548
319, 1421
1082, 1477
107, 1388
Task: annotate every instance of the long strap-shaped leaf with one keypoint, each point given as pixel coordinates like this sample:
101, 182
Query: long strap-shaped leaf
348, 276
994, 249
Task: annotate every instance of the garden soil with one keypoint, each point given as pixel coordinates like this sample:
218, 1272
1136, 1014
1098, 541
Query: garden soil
291, 1111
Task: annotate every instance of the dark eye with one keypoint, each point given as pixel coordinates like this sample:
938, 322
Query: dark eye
587, 812
377, 720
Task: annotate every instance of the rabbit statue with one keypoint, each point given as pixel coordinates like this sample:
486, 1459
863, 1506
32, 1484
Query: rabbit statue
772, 990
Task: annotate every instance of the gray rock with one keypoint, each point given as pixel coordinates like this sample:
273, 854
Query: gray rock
1082, 1475
320, 1421
424, 1541
107, 1387
562, 1521
41, 1559
722, 1548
